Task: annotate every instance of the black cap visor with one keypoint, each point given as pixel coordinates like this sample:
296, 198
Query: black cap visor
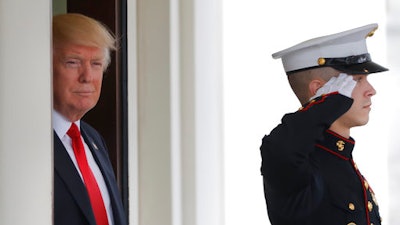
360, 68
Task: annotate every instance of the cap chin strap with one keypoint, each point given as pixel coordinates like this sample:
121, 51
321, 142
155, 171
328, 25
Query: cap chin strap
349, 60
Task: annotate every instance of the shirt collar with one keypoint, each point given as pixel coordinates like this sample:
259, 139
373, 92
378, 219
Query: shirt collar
61, 124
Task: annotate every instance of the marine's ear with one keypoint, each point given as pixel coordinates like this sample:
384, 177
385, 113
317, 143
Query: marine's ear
314, 85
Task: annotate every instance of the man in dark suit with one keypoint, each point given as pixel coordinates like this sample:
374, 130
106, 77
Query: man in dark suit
85, 189
310, 177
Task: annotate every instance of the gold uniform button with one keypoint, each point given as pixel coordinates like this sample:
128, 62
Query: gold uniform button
366, 185
370, 206
352, 207
374, 199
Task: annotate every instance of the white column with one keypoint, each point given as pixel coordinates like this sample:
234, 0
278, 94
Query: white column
200, 95
133, 153
152, 89
25, 113
175, 102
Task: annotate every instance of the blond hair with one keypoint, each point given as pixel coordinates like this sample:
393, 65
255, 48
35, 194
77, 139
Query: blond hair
73, 28
299, 81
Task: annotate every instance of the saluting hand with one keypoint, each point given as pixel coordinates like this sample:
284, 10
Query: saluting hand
344, 84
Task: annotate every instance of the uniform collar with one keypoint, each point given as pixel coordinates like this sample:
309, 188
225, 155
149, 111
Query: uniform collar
337, 145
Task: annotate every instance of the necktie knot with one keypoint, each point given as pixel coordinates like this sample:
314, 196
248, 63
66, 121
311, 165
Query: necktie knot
73, 131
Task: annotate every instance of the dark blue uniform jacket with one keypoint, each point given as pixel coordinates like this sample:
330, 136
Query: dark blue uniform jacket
309, 174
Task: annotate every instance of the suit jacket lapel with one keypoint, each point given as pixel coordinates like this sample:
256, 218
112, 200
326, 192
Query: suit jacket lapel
100, 154
66, 170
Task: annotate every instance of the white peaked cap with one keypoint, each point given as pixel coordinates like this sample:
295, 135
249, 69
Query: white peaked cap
345, 51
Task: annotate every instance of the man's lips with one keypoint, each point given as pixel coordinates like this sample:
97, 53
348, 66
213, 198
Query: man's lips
84, 92
367, 106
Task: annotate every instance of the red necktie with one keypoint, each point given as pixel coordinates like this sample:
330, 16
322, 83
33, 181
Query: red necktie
93, 190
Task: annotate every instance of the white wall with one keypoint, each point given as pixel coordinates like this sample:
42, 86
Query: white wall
25, 104
393, 28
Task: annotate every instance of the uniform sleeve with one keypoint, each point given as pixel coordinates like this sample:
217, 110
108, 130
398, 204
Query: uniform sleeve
286, 164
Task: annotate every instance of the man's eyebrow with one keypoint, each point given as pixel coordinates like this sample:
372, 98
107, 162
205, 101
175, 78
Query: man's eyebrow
71, 56
79, 57
100, 58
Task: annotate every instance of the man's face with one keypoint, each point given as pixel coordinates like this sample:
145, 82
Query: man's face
358, 114
77, 78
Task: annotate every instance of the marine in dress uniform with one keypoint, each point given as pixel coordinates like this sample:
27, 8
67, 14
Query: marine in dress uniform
309, 173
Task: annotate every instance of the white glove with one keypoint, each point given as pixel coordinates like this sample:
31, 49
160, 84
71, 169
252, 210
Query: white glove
344, 84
